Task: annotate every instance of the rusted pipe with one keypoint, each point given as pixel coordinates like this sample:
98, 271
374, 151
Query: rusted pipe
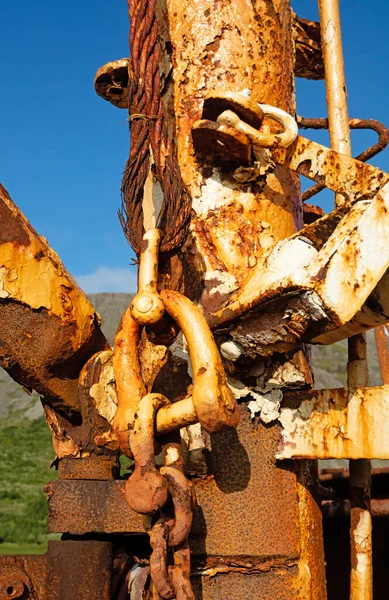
49, 329
361, 579
382, 351
331, 42
357, 372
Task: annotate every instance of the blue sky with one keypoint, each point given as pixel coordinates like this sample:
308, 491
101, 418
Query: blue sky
63, 149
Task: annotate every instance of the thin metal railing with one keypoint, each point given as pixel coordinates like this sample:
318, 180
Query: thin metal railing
361, 581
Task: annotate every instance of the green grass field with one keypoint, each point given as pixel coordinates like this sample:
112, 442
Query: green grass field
26, 452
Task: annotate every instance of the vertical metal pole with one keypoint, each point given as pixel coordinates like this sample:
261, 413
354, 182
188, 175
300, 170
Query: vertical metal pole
357, 372
383, 352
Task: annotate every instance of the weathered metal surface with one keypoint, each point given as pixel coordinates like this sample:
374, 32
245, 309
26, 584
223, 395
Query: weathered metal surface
208, 56
308, 53
234, 226
146, 489
381, 339
68, 570
279, 583
361, 576
81, 507
338, 423
49, 328
111, 82
248, 507
91, 434
243, 463
379, 128
99, 469
312, 301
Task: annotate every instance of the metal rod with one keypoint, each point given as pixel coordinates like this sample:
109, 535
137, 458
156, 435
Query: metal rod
383, 352
361, 580
331, 39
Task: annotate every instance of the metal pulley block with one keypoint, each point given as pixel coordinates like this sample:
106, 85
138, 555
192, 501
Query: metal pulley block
328, 281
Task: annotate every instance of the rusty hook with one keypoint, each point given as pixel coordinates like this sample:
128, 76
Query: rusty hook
146, 490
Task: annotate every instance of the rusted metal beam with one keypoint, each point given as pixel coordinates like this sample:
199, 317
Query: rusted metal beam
304, 276
49, 327
69, 569
337, 423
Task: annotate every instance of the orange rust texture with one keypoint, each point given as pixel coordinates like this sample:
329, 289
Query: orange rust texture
69, 569
251, 513
383, 353
49, 327
311, 577
229, 46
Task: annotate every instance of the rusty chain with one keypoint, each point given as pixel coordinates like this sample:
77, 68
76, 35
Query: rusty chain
152, 148
138, 419
173, 581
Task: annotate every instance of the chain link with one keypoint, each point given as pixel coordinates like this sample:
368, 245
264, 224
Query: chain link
149, 488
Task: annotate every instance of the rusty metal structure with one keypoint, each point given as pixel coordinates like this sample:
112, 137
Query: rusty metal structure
208, 389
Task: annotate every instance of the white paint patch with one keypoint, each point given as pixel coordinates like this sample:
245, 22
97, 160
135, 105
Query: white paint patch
266, 404
245, 92
217, 192
193, 437
287, 258
224, 283
362, 540
172, 455
291, 418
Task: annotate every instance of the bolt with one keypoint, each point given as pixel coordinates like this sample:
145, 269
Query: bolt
144, 304
11, 589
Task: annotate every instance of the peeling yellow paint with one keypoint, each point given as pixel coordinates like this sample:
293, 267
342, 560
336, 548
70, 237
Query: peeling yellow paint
35, 276
104, 391
338, 423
